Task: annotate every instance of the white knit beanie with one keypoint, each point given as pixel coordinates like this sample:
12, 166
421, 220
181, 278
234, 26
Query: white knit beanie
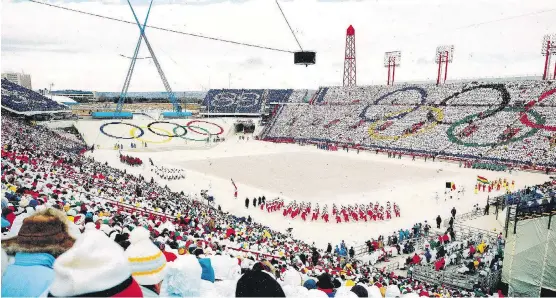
94, 263
147, 262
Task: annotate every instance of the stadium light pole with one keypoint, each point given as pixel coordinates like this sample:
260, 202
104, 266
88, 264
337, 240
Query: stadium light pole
444, 55
350, 71
548, 50
391, 60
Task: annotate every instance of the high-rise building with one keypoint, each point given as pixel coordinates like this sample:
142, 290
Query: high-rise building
21, 79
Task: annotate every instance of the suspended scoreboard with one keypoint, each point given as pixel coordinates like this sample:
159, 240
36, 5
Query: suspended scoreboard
304, 58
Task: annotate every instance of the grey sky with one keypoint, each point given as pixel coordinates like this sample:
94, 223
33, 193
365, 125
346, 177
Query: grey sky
83, 52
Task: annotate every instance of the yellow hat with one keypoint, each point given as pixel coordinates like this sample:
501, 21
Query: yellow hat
350, 283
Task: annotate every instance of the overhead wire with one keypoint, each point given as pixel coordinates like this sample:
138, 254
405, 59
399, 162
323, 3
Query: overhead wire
165, 29
286, 19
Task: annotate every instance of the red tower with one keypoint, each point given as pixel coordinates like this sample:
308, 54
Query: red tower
391, 60
444, 55
350, 73
548, 50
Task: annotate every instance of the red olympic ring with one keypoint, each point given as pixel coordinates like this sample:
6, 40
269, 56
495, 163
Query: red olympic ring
525, 119
204, 133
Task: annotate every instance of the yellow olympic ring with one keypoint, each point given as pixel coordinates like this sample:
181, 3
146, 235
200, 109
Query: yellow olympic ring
133, 130
375, 135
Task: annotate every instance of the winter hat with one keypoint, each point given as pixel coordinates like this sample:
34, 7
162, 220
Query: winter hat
146, 260
292, 278
255, 283
392, 291
183, 278
207, 270
314, 293
344, 292
360, 291
310, 284
44, 232
95, 266
374, 292
325, 281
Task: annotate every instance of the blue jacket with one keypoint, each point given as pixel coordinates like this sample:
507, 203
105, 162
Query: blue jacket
208, 271
29, 276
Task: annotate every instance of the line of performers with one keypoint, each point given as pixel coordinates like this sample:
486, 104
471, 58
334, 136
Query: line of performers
356, 212
495, 185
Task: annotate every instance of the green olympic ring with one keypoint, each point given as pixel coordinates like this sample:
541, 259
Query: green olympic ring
450, 132
186, 138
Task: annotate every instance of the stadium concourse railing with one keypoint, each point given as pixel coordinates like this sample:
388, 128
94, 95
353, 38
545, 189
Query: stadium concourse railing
417, 153
455, 279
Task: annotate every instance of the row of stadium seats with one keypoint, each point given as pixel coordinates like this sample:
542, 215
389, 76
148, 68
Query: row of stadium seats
21, 99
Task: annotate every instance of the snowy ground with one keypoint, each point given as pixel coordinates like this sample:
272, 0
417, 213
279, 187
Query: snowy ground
304, 173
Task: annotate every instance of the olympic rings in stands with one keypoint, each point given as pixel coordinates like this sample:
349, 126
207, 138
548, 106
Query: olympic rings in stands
188, 126
525, 119
454, 139
135, 128
375, 135
421, 91
171, 136
207, 133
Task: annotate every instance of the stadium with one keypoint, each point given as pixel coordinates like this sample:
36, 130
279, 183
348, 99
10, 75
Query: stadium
290, 183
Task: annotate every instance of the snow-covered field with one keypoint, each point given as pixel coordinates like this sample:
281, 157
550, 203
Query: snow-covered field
304, 173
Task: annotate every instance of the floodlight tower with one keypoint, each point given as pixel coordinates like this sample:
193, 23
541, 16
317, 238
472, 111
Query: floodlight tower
350, 73
444, 55
548, 50
391, 60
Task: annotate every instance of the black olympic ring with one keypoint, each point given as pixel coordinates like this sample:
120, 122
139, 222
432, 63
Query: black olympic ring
142, 132
401, 115
163, 135
499, 87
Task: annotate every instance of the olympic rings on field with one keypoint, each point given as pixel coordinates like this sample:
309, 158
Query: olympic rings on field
171, 136
207, 133
375, 135
525, 119
454, 139
201, 128
135, 128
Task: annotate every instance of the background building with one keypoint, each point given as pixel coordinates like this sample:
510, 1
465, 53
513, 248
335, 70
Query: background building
18, 78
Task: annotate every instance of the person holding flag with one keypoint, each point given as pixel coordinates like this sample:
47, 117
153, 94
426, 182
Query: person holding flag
235, 187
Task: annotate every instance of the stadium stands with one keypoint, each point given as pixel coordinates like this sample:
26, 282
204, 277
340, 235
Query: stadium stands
465, 120
106, 210
279, 95
234, 101
21, 99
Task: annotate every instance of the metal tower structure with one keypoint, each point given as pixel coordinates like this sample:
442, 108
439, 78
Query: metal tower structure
123, 94
177, 111
391, 60
549, 50
444, 55
350, 72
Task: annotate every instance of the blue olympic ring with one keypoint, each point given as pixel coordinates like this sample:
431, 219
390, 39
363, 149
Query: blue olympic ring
142, 132
401, 115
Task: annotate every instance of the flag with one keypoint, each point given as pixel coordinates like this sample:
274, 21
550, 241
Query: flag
482, 179
453, 186
234, 184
